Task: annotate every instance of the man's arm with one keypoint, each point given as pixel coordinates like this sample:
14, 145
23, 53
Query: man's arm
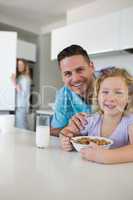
55, 131
76, 122
59, 119
62, 115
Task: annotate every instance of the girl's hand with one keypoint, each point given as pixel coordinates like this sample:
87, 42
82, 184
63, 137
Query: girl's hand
65, 140
93, 153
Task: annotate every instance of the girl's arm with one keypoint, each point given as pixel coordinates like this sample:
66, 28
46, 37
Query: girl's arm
110, 156
119, 155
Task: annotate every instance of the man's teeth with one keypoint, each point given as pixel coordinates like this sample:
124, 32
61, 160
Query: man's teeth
77, 85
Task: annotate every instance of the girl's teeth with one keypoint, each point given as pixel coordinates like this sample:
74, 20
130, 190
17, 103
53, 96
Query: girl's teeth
110, 106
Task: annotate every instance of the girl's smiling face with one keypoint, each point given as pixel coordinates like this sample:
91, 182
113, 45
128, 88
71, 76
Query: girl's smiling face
113, 95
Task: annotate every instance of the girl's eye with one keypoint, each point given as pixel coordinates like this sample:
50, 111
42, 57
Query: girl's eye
119, 92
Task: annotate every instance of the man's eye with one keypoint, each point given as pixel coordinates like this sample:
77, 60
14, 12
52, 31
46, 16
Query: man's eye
79, 70
67, 74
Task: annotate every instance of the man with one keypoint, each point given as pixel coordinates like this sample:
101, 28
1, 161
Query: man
75, 97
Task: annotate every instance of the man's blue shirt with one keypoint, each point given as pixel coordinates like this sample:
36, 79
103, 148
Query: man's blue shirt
67, 104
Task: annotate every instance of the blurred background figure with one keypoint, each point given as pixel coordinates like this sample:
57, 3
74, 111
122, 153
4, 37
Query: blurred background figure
22, 83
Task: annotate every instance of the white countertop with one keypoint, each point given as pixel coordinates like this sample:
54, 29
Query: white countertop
29, 173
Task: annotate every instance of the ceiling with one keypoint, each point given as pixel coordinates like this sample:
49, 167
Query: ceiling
32, 15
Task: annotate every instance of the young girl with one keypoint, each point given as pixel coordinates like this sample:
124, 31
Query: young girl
22, 83
114, 119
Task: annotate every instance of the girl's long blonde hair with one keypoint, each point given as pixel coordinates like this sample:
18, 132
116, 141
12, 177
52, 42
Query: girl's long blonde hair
114, 72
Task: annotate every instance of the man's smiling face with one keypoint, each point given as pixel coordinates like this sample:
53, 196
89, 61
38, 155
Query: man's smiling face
76, 73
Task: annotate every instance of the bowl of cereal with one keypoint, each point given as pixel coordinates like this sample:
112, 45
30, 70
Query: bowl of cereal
80, 142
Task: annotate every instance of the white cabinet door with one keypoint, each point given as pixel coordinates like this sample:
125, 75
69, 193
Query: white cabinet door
102, 34
95, 35
126, 28
8, 44
26, 50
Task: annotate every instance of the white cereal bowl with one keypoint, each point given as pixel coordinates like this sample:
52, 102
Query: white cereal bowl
79, 146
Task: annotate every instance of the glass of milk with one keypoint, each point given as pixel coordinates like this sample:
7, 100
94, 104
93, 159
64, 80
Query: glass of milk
42, 131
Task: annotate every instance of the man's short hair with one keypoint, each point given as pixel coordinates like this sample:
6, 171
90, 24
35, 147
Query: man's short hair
72, 51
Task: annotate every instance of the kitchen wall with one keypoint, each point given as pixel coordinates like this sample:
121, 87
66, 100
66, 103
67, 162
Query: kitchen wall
119, 59
50, 79
23, 35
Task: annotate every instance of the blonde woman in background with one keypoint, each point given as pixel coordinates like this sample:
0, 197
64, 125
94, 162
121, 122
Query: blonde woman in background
22, 84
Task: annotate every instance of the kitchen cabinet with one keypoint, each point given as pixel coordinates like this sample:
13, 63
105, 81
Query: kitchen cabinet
95, 35
126, 32
8, 43
113, 32
26, 50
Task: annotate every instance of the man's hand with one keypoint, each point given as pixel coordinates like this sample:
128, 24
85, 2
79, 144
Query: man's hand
78, 121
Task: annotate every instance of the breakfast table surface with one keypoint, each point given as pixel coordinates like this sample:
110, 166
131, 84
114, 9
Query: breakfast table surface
30, 173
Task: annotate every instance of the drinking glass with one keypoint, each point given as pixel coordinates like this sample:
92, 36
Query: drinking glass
43, 131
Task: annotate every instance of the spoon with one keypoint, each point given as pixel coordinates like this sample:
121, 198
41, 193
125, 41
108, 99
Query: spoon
71, 139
